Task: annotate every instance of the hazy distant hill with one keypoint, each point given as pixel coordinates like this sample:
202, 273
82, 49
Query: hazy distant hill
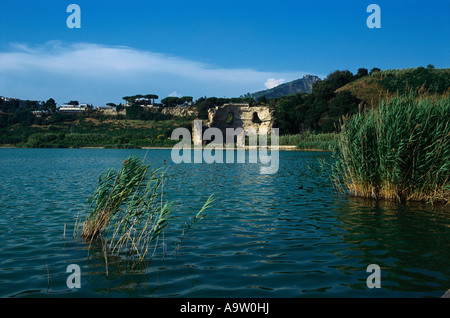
302, 85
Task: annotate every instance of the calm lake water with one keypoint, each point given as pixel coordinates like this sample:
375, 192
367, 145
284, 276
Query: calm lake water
263, 236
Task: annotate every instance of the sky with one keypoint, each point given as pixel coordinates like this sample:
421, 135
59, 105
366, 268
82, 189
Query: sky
204, 47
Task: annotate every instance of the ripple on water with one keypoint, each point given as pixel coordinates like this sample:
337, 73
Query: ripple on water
265, 236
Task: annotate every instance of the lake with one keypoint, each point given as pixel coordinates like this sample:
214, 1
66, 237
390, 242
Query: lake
287, 234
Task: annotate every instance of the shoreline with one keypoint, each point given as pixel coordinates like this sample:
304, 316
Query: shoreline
280, 148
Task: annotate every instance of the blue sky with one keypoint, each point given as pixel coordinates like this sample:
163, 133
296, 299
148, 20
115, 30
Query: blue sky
204, 47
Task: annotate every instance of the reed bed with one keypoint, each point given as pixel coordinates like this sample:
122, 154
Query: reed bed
398, 151
127, 211
322, 141
309, 140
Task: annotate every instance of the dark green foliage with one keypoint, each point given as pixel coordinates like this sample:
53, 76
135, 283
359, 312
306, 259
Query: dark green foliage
4, 120
136, 111
344, 103
203, 104
9, 106
60, 118
338, 79
374, 70
318, 111
361, 73
84, 131
171, 101
50, 104
290, 113
24, 117
131, 99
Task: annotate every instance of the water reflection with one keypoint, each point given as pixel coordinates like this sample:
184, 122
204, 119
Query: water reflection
409, 242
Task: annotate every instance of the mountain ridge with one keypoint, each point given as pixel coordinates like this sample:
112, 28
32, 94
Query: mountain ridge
301, 85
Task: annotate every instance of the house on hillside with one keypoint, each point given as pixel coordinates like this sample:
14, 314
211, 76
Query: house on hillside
68, 108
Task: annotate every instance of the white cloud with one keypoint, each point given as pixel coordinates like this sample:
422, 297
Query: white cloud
175, 94
272, 82
99, 73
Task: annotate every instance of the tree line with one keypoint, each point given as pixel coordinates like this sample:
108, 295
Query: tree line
322, 109
318, 111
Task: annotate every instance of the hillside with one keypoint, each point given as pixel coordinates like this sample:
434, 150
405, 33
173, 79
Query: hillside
75, 130
342, 93
301, 85
385, 84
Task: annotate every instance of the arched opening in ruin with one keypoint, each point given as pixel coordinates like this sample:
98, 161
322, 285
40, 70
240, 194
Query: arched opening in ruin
230, 118
255, 118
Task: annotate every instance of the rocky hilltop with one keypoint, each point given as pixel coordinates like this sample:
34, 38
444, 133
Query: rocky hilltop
301, 85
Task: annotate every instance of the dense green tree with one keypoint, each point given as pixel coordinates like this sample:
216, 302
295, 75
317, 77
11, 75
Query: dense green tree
23, 116
203, 104
31, 104
4, 120
361, 73
134, 111
171, 101
152, 97
343, 103
315, 111
262, 100
128, 99
374, 70
338, 79
50, 104
186, 99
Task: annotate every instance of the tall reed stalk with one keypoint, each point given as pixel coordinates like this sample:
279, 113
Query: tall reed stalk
127, 209
399, 151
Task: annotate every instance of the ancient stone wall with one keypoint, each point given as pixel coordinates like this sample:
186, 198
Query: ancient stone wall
260, 118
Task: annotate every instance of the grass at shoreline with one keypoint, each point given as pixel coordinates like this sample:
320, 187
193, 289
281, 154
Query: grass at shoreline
398, 151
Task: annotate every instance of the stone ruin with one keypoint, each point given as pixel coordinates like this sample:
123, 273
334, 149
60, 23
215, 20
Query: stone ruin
258, 118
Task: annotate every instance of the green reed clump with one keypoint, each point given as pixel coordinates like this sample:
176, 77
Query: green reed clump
323, 141
401, 151
127, 211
